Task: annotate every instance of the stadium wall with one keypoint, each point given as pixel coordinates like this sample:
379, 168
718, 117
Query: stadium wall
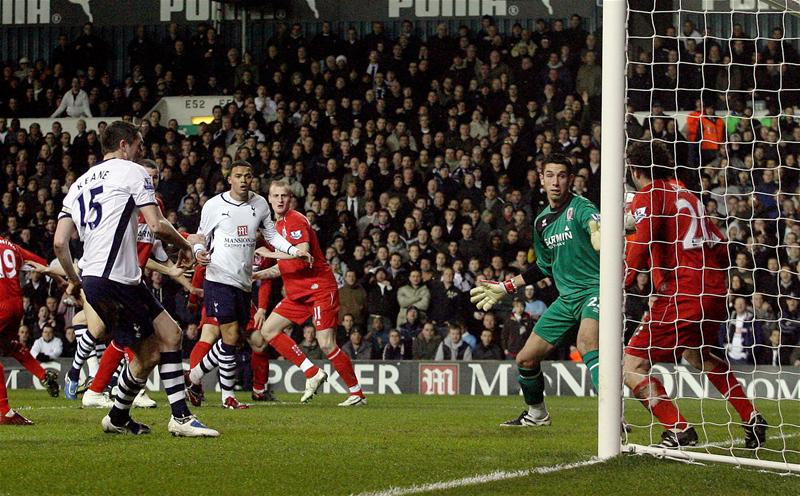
476, 379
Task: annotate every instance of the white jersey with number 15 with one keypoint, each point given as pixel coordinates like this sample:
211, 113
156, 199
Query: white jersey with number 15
103, 203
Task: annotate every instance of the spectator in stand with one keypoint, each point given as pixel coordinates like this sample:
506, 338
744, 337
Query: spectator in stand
48, 347
487, 349
453, 347
738, 337
69, 343
516, 329
309, 344
426, 343
353, 300
75, 102
395, 349
413, 294
358, 348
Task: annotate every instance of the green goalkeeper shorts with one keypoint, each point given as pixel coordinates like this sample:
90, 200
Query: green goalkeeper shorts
566, 314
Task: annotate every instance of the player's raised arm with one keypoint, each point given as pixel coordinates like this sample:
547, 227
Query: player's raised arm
281, 244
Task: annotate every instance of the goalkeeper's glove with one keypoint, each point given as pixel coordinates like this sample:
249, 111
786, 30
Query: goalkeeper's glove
594, 229
487, 293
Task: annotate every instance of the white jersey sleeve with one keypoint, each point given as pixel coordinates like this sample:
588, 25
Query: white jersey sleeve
271, 234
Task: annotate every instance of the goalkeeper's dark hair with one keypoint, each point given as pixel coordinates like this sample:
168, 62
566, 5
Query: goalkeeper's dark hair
561, 159
651, 158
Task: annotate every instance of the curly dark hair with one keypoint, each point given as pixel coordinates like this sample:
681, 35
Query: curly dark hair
652, 158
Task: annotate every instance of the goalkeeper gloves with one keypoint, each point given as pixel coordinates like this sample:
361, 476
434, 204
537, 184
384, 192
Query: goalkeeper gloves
594, 229
487, 293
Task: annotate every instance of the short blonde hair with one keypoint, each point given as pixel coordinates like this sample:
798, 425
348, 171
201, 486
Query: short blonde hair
280, 184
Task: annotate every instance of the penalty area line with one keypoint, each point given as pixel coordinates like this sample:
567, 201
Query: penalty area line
478, 479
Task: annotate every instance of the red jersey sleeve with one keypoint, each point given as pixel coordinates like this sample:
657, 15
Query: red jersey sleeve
297, 229
29, 255
637, 257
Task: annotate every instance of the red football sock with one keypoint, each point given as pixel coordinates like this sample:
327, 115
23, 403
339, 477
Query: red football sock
344, 367
23, 356
259, 362
4, 408
288, 349
654, 397
108, 365
129, 354
200, 350
723, 379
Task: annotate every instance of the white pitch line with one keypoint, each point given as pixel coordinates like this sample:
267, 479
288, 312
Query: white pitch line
478, 479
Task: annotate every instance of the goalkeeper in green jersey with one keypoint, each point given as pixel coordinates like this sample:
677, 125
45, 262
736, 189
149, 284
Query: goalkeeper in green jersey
566, 239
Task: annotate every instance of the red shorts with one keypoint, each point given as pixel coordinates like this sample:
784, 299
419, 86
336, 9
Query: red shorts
205, 319
323, 308
678, 323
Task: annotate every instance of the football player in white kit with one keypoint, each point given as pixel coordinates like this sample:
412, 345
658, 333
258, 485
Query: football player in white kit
230, 222
102, 204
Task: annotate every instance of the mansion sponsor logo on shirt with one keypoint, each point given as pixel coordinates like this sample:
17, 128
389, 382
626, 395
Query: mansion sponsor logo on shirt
558, 239
241, 240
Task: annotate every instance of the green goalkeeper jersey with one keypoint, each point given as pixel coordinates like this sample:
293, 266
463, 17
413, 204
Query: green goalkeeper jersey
563, 245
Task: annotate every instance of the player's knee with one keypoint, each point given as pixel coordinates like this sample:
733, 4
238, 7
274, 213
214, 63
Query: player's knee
525, 361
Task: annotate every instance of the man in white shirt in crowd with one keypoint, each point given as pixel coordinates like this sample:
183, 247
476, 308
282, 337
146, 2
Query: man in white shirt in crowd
75, 102
48, 347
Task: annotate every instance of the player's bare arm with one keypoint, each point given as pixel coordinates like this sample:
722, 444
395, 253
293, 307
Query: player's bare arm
273, 272
166, 232
263, 252
64, 231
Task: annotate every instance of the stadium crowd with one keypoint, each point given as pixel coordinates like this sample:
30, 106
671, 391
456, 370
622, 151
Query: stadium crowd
416, 160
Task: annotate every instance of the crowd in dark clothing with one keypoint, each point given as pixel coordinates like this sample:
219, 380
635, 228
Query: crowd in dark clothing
415, 158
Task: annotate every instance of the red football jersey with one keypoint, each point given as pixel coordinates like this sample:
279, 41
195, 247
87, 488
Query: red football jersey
686, 251
12, 258
299, 279
260, 263
145, 237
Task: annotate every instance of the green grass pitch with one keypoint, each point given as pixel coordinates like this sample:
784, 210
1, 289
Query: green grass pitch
396, 441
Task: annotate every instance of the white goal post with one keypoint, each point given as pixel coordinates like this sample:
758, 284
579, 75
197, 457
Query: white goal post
759, 97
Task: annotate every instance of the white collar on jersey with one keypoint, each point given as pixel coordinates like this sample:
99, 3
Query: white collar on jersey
230, 199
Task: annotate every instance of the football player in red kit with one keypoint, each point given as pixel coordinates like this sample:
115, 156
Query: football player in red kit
311, 291
688, 259
12, 258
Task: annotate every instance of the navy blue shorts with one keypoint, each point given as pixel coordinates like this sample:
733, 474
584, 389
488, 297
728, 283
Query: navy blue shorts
127, 311
226, 303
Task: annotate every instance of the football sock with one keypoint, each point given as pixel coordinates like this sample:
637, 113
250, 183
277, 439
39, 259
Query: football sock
128, 387
129, 354
171, 371
85, 348
532, 384
23, 356
344, 367
208, 363
288, 349
259, 362
108, 365
200, 350
654, 397
592, 361
227, 368
4, 408
723, 379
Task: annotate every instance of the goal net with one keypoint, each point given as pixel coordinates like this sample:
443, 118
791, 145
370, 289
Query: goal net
717, 82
